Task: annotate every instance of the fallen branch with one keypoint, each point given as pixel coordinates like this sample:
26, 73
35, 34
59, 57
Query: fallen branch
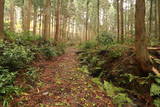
155, 71
153, 48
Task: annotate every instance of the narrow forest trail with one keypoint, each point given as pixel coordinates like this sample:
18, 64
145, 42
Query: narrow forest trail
64, 86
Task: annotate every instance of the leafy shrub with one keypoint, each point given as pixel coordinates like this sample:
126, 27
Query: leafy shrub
60, 47
29, 36
156, 102
15, 56
119, 97
11, 35
83, 69
88, 45
116, 50
32, 75
7, 89
155, 89
24, 36
105, 38
49, 52
117, 94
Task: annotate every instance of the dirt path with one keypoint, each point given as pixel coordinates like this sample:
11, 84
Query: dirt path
64, 86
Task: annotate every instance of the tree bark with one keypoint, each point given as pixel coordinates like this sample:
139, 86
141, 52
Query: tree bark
98, 17
122, 26
1, 18
86, 37
118, 31
156, 21
150, 21
12, 16
142, 54
159, 17
27, 15
57, 20
46, 19
35, 22
40, 22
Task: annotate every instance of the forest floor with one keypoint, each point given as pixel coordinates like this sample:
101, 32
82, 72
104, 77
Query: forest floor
64, 86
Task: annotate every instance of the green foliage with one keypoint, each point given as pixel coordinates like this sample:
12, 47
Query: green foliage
60, 47
32, 74
22, 37
119, 97
105, 38
49, 52
116, 50
129, 41
83, 69
155, 89
7, 89
122, 99
156, 102
154, 41
88, 45
16, 53
16, 57
117, 94
93, 61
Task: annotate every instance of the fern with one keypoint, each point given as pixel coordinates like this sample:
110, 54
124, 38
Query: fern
157, 80
98, 82
117, 94
155, 89
121, 99
157, 102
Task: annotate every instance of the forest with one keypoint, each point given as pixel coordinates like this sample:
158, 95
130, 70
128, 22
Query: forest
79, 53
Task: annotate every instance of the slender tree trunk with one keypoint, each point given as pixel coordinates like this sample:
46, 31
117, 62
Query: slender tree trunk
27, 15
122, 26
40, 22
87, 20
118, 31
35, 22
52, 31
159, 17
150, 20
1, 18
142, 54
57, 20
156, 21
12, 16
132, 18
46, 19
98, 17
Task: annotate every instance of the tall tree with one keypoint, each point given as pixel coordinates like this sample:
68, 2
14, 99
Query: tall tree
159, 17
156, 21
12, 15
87, 17
27, 15
46, 19
118, 30
1, 18
122, 21
98, 15
150, 18
58, 9
142, 54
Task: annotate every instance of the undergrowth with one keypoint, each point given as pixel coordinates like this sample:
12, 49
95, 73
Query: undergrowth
17, 53
106, 60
